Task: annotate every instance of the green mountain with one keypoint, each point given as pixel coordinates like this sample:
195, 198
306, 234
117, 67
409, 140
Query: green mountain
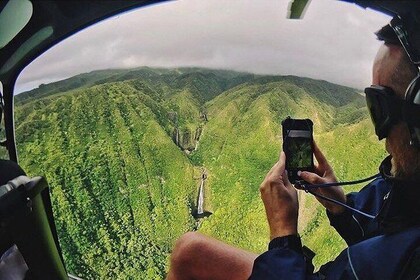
125, 152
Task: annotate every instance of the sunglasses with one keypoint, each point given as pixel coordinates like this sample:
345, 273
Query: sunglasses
385, 108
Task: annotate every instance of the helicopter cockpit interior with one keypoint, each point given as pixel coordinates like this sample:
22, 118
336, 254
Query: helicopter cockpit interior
30, 232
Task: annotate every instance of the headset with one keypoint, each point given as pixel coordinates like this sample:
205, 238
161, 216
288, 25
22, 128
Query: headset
411, 111
385, 108
406, 30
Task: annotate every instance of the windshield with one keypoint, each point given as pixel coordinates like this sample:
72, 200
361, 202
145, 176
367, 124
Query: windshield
3, 152
165, 120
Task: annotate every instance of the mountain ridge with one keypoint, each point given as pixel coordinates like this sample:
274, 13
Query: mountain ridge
97, 77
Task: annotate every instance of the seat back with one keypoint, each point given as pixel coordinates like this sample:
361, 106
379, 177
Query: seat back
26, 220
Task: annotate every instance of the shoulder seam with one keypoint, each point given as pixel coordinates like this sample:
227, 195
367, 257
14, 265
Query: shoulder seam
360, 226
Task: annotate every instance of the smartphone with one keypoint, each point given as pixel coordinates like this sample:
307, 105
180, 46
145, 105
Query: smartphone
298, 146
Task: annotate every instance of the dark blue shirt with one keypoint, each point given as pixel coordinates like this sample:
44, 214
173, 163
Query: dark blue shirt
373, 252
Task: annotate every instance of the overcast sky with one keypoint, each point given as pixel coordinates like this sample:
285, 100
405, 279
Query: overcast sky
334, 41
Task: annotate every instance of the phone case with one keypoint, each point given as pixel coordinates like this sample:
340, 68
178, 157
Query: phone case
297, 128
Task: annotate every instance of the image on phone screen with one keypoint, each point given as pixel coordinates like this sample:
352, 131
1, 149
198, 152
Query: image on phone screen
300, 153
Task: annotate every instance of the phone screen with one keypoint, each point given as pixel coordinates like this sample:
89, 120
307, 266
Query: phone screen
300, 149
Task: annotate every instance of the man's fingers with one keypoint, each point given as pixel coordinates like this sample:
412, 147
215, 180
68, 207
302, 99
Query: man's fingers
322, 161
279, 166
310, 177
282, 160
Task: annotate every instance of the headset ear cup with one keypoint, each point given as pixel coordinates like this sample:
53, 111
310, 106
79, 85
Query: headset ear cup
412, 96
413, 90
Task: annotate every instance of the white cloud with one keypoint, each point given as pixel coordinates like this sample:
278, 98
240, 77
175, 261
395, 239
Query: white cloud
333, 42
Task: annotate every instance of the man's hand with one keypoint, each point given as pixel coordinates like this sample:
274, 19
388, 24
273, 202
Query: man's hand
280, 201
325, 174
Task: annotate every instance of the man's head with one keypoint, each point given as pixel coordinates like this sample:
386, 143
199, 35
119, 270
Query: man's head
392, 68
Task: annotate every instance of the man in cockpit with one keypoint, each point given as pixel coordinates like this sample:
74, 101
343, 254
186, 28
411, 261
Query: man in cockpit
386, 247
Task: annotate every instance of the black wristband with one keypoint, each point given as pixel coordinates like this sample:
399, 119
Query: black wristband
289, 241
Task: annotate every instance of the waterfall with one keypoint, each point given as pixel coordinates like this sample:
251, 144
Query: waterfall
200, 204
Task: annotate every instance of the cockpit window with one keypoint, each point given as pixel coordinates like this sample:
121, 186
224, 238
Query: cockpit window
10, 23
26, 47
3, 151
141, 139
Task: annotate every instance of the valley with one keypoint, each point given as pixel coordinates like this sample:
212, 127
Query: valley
137, 157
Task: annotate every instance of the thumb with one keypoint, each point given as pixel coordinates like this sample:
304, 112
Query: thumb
310, 177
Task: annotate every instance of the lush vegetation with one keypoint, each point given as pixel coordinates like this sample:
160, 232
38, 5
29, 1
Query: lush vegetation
123, 152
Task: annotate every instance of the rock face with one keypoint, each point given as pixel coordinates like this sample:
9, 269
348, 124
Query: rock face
187, 137
203, 116
198, 132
